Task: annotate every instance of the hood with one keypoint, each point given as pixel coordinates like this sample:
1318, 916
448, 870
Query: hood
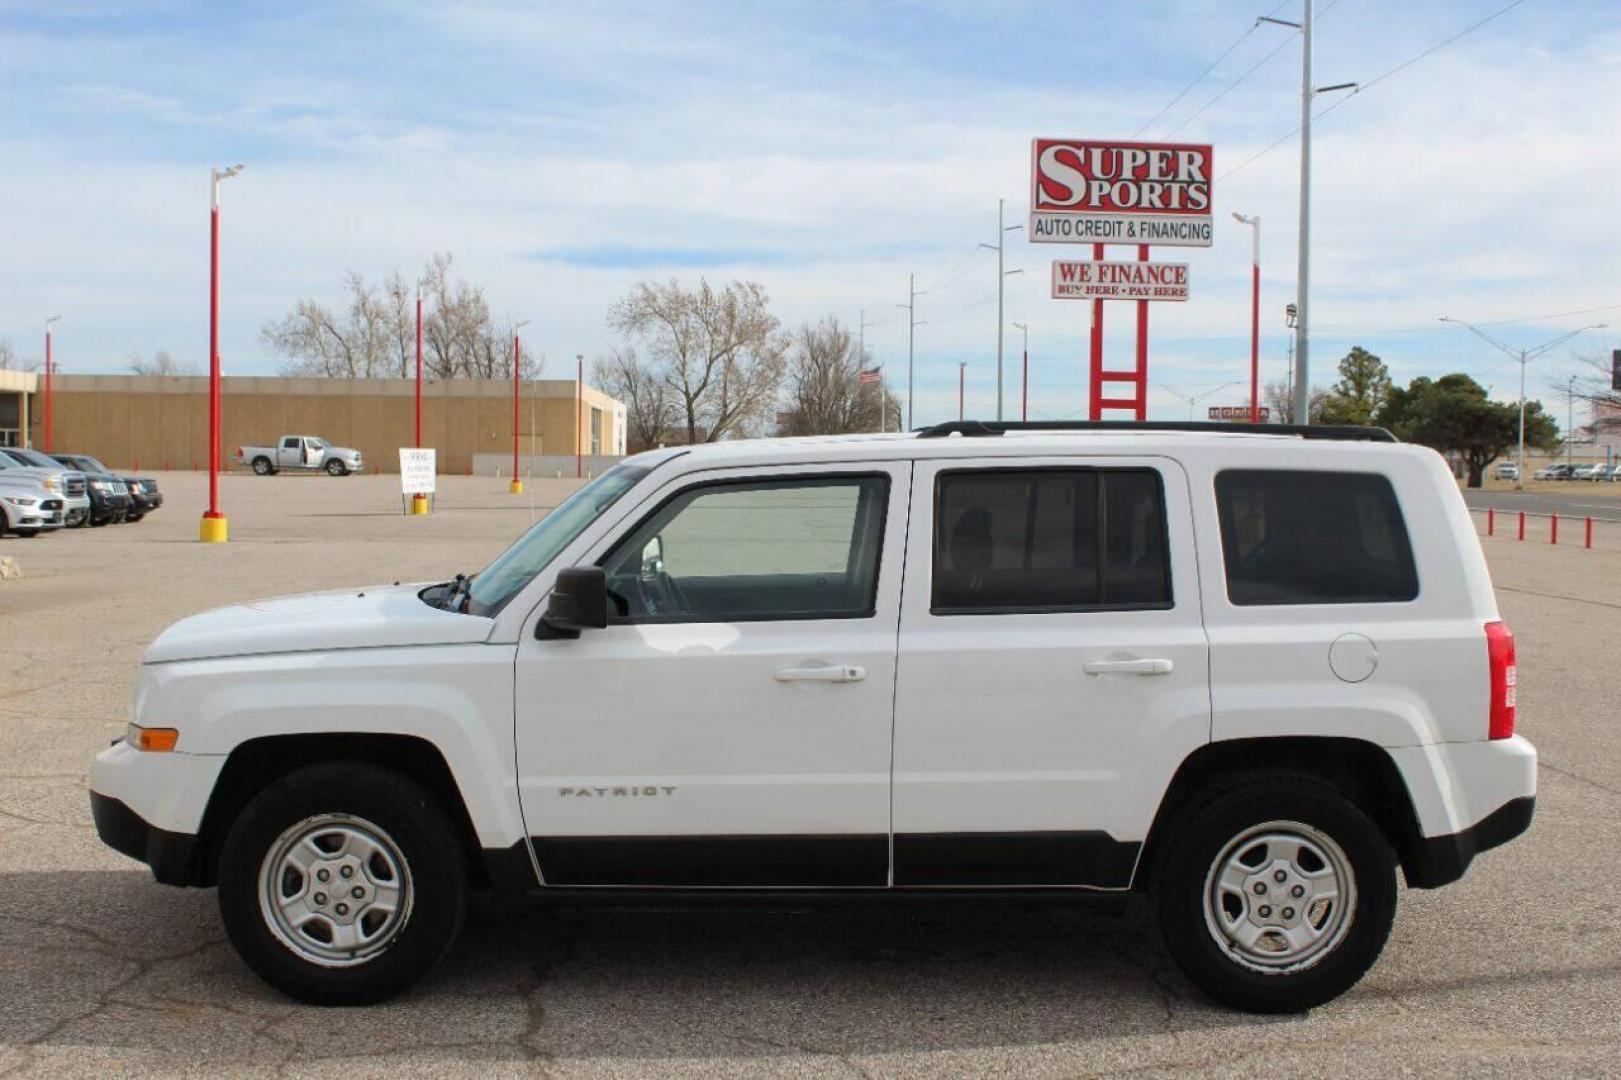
365, 618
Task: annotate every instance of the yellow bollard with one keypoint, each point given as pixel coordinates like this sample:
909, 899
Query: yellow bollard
212, 530
517, 486
419, 504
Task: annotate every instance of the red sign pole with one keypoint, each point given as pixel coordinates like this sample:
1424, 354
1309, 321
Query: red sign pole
1141, 396
213, 528
47, 387
1095, 404
419, 369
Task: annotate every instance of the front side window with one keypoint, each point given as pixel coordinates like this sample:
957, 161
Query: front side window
1295, 537
754, 550
1049, 540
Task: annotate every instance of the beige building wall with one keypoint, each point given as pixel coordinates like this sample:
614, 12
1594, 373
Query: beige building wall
161, 422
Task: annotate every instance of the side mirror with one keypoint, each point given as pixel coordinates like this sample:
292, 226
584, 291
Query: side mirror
579, 601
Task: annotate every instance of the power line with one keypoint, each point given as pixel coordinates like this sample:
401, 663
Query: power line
957, 273
1344, 331
1403, 66
1199, 78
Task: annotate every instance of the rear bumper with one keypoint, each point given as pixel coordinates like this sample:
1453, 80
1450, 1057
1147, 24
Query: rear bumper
169, 854
1435, 861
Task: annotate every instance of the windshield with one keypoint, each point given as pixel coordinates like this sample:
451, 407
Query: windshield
34, 458
515, 567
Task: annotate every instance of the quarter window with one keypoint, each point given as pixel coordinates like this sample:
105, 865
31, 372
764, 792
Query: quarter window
1028, 540
754, 550
1294, 537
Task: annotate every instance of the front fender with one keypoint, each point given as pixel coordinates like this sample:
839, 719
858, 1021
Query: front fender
457, 698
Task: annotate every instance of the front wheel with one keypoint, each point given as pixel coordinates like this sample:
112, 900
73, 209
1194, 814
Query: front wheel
1276, 894
342, 884
336, 468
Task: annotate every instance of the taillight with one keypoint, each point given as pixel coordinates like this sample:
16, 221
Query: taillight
239, 451
1500, 654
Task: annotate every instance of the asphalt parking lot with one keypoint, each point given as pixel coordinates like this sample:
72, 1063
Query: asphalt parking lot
1515, 970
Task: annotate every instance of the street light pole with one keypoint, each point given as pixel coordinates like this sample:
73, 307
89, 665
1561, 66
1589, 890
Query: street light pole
911, 330
48, 322
1001, 282
962, 377
1024, 383
419, 367
579, 416
1524, 357
1196, 398
1255, 312
213, 529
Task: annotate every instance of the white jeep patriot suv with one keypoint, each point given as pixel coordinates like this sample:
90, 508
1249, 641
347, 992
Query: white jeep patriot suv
1250, 671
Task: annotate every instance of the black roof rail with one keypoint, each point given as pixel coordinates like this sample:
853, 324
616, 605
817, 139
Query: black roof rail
981, 428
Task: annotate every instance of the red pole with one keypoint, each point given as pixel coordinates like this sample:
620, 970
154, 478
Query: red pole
1255, 329
579, 417
514, 407
419, 369
47, 388
1142, 346
1491, 522
1522, 524
1024, 404
1095, 391
214, 356
962, 370
1588, 543
1553, 530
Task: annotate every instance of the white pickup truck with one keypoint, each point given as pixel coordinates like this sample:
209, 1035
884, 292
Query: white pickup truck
303, 452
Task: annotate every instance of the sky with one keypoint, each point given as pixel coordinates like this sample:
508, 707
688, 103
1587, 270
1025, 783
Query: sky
564, 151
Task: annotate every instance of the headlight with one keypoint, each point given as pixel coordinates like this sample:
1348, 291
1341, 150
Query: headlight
159, 740
22, 500
100, 485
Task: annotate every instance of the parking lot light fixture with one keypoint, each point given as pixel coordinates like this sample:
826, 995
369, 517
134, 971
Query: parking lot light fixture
213, 529
1523, 356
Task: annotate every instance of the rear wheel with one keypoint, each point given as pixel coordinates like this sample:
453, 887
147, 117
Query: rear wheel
261, 466
342, 884
1276, 893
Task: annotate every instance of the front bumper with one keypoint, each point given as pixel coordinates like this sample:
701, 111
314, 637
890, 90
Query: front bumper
146, 503
45, 514
108, 505
171, 855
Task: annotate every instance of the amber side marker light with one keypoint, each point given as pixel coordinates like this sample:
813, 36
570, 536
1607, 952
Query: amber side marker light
152, 739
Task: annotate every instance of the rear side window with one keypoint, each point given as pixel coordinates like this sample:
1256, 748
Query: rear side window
1313, 538
1049, 540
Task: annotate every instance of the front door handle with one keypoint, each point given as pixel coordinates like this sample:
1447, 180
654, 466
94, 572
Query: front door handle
1155, 666
825, 673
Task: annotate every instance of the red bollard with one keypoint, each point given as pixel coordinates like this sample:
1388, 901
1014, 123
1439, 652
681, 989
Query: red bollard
165, 466
1588, 542
1522, 524
137, 466
1491, 522
1553, 531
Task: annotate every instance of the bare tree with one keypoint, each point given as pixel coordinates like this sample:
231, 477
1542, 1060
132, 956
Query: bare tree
375, 334
719, 353
160, 364
825, 393
1278, 397
1596, 386
649, 405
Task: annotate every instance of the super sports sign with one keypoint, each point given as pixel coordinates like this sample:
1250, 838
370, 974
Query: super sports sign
1084, 192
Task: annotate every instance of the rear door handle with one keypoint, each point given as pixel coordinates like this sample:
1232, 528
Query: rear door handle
1156, 666
826, 673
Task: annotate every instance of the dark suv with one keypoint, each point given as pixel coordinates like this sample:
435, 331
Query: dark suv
107, 503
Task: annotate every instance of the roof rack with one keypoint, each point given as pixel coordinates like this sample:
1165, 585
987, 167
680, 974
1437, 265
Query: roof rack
982, 428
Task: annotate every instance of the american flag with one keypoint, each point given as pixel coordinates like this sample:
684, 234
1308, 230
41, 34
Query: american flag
873, 375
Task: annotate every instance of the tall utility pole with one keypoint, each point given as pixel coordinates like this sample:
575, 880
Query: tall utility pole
962, 378
1570, 417
1001, 281
1308, 93
911, 329
48, 322
1255, 313
1523, 356
1024, 382
213, 528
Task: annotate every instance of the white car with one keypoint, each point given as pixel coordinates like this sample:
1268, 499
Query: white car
27, 507
69, 485
1250, 672
1507, 470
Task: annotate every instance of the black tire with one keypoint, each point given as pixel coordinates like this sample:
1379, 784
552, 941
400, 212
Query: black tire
262, 466
131, 519
1205, 832
336, 468
434, 863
